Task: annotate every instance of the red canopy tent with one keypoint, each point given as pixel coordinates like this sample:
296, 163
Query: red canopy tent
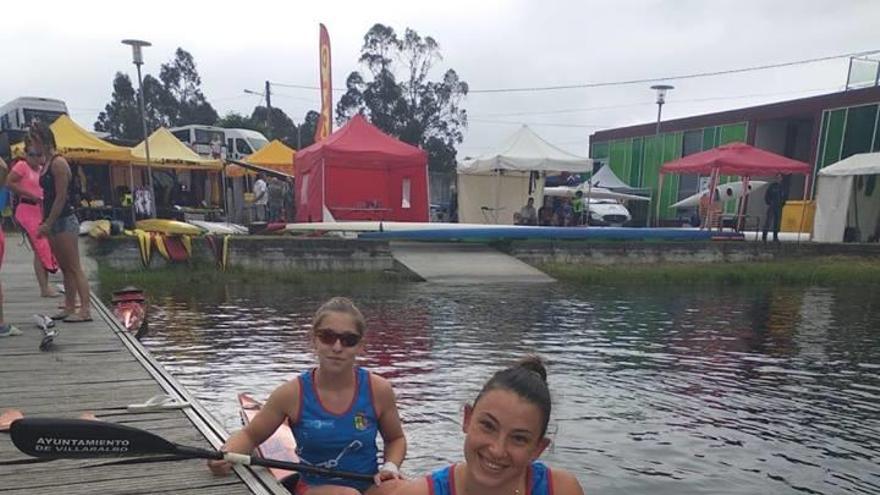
360, 173
734, 159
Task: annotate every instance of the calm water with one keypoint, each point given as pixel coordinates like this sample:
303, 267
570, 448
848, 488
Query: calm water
748, 390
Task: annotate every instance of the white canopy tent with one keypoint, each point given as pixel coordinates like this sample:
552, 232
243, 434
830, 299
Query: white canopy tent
494, 186
847, 196
607, 179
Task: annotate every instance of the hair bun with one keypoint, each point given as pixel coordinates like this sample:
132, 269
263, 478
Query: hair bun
535, 364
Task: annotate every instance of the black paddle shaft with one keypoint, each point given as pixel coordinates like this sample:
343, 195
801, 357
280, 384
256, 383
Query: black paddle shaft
59, 438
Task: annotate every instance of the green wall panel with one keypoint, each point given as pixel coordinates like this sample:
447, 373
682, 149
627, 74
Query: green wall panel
600, 150
635, 168
876, 146
733, 132
709, 134
818, 165
833, 137
618, 155
859, 130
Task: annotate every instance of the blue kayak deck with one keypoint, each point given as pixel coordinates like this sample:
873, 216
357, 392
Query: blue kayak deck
559, 233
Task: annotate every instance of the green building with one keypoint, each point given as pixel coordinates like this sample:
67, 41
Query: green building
819, 130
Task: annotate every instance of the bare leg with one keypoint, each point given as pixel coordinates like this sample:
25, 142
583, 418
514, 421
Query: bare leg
43, 278
76, 282
63, 257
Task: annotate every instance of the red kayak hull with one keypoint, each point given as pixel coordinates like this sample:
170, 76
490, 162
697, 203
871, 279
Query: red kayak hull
280, 446
130, 307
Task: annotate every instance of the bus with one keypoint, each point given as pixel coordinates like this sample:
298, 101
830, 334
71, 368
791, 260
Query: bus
20, 112
209, 140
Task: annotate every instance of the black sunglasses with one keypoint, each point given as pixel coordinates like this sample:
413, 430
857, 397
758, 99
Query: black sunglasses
34, 154
329, 337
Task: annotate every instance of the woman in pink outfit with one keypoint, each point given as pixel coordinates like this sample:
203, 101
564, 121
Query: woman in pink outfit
24, 181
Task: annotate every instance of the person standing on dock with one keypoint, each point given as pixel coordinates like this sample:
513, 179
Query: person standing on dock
60, 224
24, 181
335, 410
774, 197
6, 329
261, 197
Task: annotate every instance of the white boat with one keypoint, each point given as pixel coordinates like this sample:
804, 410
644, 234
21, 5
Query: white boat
592, 192
220, 228
726, 192
372, 226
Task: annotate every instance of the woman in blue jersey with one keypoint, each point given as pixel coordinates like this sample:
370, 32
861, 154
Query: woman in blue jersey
504, 435
335, 411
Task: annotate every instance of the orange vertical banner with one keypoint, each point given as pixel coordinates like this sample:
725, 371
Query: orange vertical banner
325, 121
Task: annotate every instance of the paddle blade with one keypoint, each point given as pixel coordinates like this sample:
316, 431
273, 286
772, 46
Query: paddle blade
78, 438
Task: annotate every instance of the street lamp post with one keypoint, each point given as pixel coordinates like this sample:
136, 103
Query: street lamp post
661, 90
138, 60
661, 99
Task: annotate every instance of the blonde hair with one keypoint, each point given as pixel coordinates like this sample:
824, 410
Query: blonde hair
342, 305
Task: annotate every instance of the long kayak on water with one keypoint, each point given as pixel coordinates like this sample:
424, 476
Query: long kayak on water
280, 446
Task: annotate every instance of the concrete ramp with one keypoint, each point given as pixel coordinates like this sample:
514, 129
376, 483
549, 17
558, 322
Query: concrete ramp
459, 263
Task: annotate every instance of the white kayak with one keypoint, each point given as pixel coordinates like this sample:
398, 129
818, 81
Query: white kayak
726, 192
371, 226
220, 228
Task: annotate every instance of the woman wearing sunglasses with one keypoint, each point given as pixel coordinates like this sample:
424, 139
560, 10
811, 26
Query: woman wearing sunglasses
60, 224
335, 411
24, 181
504, 436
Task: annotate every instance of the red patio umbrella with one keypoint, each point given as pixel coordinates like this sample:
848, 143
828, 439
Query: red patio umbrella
734, 159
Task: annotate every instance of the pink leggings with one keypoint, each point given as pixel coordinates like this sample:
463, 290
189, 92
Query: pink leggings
30, 217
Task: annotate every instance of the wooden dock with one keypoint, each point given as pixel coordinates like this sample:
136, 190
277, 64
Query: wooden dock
98, 368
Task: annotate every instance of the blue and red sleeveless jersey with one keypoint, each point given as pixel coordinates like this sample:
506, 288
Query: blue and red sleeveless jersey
538, 480
346, 441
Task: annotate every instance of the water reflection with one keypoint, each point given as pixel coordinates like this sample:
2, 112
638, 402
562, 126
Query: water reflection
744, 390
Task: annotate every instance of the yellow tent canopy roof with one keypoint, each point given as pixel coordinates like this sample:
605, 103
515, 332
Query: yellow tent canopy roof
275, 155
80, 146
166, 151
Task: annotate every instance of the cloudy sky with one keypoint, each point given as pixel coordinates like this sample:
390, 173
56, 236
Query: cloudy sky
71, 50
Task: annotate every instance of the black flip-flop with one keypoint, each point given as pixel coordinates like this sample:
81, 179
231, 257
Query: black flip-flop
76, 319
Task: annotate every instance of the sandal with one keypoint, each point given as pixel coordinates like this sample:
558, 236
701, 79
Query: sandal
75, 318
61, 315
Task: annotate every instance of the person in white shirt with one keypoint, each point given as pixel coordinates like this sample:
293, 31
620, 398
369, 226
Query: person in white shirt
261, 198
527, 214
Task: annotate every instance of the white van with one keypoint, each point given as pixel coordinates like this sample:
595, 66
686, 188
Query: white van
20, 112
208, 140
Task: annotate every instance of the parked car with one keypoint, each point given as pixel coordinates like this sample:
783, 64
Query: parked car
608, 212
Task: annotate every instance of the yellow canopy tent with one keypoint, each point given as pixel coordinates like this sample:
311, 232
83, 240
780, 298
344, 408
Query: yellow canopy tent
166, 151
80, 146
275, 156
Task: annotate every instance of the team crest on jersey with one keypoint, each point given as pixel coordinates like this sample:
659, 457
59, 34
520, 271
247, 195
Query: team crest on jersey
361, 422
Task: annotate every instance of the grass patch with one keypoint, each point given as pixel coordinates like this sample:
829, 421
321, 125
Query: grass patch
809, 271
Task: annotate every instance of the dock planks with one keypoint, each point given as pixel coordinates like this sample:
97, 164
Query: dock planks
96, 367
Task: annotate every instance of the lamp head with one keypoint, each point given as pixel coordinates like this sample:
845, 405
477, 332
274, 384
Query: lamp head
661, 90
136, 54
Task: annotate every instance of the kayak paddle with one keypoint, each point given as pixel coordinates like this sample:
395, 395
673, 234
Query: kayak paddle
83, 439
